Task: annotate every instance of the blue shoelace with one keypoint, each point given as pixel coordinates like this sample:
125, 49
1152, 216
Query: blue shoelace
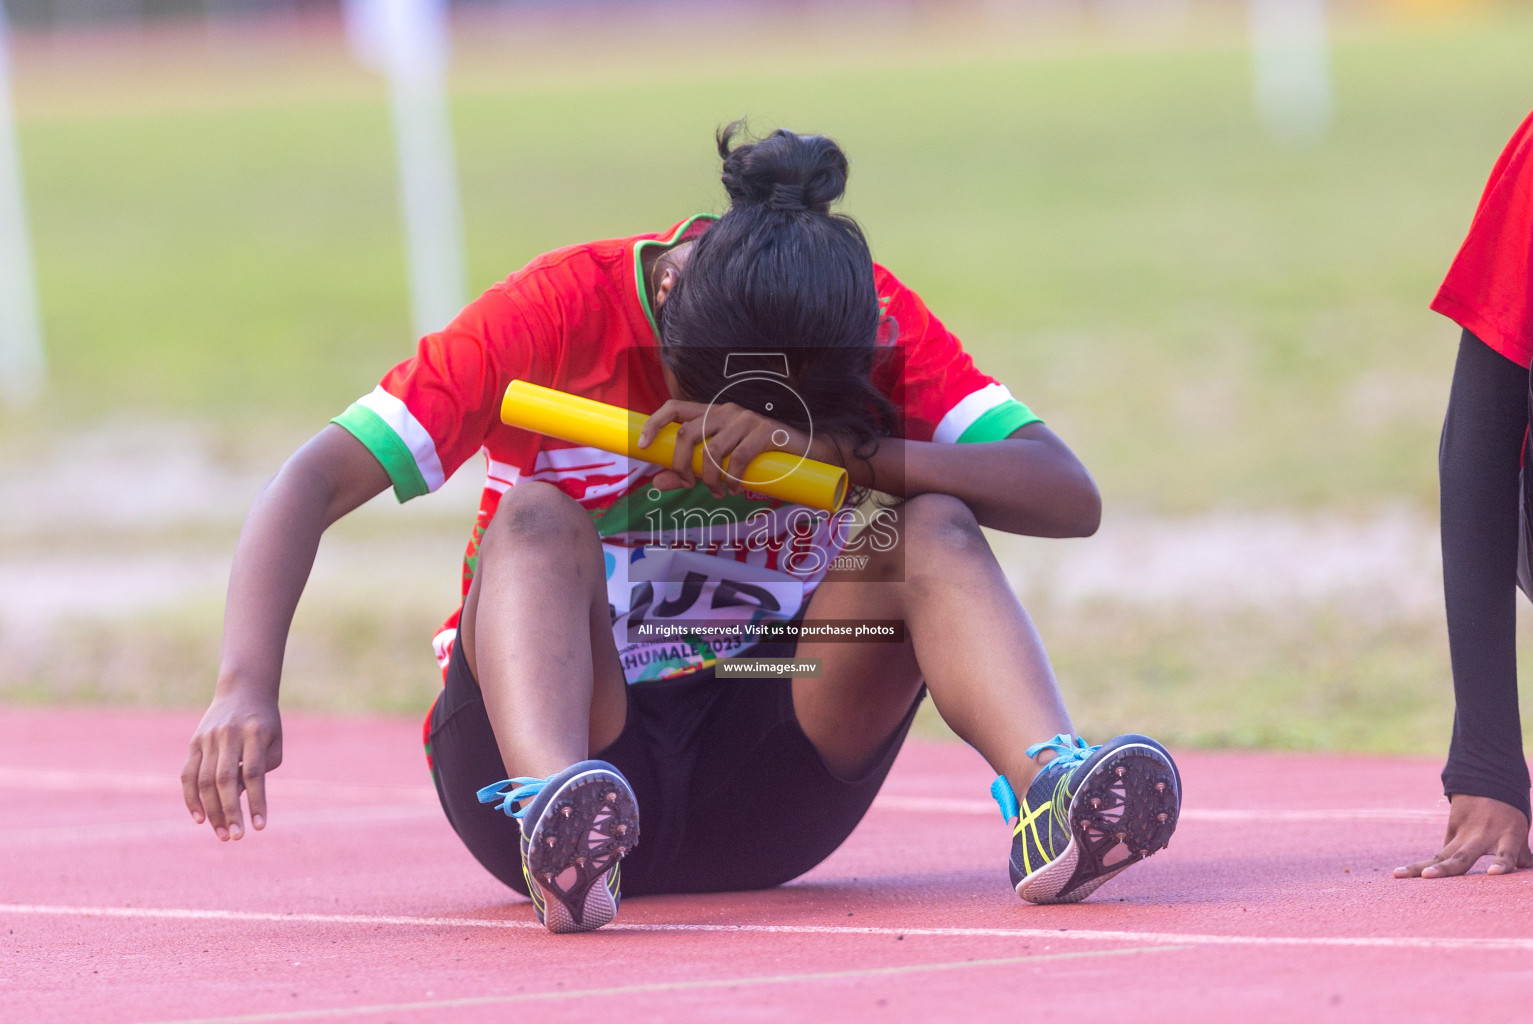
1069, 751
512, 791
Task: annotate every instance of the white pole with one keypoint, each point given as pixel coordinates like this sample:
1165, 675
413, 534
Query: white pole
1291, 68
22, 366
408, 41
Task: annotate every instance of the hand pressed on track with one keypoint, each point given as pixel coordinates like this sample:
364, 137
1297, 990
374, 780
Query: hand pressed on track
238, 741
1478, 826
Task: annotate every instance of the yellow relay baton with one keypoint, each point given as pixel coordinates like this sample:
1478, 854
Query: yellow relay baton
794, 478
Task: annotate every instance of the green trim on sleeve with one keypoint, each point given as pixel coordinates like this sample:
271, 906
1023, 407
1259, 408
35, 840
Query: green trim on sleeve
999, 423
387, 447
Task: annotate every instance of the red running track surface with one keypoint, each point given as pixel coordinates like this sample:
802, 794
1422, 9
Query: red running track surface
1274, 902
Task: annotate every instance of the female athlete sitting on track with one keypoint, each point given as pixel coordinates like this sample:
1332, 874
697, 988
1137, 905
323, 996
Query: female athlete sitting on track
1486, 556
579, 662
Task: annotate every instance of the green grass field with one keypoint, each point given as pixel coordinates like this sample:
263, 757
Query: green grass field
1212, 320
1202, 312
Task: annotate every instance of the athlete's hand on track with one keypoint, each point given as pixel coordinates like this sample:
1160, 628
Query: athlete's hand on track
238, 741
735, 436
1478, 826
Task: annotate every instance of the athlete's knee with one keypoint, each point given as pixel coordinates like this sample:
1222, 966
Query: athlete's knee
943, 542
538, 517
941, 523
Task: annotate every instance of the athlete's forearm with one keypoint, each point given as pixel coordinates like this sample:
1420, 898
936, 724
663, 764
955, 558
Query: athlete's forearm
271, 565
325, 479
1030, 483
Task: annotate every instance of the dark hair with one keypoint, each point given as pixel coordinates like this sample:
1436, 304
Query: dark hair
780, 273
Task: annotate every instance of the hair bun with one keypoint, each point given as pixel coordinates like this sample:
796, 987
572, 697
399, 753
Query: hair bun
785, 172
787, 198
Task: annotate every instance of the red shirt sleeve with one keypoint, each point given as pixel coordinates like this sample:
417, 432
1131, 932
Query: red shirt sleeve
435, 409
1489, 288
934, 382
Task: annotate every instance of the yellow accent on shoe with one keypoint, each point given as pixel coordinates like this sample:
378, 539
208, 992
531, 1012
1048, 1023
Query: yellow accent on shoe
1030, 817
533, 890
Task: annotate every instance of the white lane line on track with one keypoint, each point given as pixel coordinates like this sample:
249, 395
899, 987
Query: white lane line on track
1085, 934
125, 831
666, 986
114, 782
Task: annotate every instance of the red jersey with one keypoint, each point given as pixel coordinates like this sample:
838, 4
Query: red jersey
1489, 288
574, 320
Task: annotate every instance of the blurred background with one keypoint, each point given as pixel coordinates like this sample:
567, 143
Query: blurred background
1198, 236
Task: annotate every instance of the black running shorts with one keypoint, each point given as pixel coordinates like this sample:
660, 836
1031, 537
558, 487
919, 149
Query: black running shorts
732, 794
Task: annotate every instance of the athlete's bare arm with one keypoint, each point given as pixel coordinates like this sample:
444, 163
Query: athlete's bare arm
1029, 483
240, 737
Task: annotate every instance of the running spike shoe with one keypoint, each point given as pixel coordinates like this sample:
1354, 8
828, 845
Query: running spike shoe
577, 826
1090, 813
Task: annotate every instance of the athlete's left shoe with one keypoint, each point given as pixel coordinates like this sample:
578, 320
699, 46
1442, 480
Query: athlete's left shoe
1089, 813
577, 826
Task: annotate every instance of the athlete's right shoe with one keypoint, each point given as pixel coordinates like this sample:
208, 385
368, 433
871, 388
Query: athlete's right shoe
577, 826
1089, 813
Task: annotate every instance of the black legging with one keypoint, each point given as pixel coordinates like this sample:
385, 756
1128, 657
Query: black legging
1478, 471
